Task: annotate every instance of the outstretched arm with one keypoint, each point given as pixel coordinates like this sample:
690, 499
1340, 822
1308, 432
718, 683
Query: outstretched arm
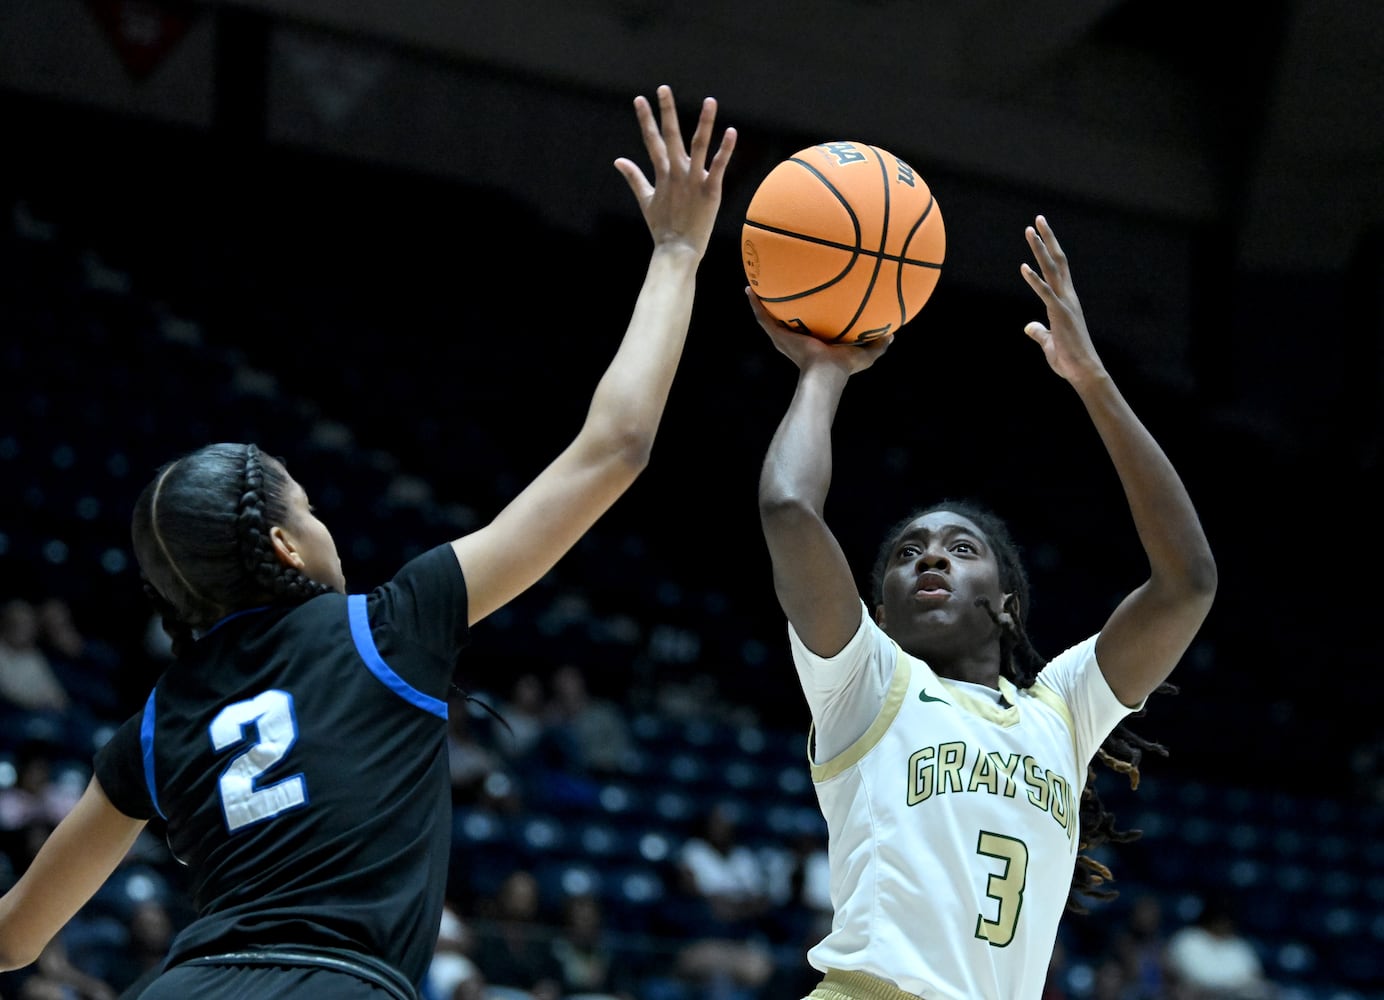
73, 863
1153, 626
548, 517
812, 577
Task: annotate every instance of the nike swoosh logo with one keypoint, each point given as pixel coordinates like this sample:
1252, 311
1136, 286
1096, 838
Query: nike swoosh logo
924, 696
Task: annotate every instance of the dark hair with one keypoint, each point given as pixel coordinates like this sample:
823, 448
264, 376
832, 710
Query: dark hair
1020, 662
201, 536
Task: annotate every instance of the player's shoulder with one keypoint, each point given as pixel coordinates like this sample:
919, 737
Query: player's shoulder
1073, 660
427, 597
433, 569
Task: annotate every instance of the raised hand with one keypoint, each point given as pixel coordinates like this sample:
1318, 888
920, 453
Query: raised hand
681, 202
805, 349
1065, 340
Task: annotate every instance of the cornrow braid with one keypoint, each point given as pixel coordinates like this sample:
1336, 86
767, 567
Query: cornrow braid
252, 533
256, 545
202, 537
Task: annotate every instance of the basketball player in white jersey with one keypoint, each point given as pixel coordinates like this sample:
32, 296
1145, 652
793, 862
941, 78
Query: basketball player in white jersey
950, 759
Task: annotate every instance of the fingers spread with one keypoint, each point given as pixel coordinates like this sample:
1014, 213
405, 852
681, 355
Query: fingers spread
1045, 246
653, 139
635, 178
701, 139
667, 110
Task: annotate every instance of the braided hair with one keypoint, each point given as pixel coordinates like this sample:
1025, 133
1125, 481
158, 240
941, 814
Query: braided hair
201, 536
1020, 662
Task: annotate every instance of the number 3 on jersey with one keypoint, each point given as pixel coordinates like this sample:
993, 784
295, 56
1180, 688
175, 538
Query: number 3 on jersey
1007, 887
268, 719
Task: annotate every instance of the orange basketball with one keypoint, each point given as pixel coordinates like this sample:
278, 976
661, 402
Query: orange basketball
843, 240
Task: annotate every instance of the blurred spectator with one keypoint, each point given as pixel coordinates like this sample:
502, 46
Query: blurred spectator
54, 977
800, 892
38, 794
85, 666
693, 696
453, 974
810, 887
1111, 981
594, 731
26, 673
512, 946
727, 874
149, 932
1211, 960
1141, 945
33, 701
726, 954
525, 713
471, 762
588, 965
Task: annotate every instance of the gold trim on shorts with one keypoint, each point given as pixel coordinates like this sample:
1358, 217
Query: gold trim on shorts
841, 985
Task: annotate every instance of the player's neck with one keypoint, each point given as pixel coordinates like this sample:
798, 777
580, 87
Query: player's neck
983, 669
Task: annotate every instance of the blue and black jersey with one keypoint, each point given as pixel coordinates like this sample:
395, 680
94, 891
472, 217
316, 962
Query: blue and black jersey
298, 756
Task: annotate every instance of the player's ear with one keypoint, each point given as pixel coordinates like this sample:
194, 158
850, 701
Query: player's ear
879, 615
1010, 612
285, 548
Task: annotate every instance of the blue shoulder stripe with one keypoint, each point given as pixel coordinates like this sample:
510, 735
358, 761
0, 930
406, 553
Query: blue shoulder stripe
146, 742
365, 645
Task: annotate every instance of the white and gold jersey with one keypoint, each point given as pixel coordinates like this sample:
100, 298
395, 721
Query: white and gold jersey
952, 814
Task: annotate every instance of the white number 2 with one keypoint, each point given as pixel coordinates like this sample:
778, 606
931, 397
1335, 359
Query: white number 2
275, 731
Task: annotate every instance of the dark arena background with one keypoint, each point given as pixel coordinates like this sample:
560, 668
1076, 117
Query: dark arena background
387, 242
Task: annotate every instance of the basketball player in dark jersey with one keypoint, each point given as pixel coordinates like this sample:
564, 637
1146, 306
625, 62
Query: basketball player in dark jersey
296, 748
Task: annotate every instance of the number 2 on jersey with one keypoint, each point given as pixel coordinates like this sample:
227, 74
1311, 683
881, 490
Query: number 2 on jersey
275, 730
1007, 887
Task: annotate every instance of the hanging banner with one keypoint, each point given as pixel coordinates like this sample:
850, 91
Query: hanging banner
143, 32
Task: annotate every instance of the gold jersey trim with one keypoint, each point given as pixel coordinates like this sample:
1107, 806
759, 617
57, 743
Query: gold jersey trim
839, 985
1005, 715
893, 699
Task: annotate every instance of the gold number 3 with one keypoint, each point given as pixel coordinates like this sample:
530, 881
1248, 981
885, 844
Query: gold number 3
1005, 887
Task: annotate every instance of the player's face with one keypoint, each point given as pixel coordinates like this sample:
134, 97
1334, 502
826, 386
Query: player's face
312, 541
938, 566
